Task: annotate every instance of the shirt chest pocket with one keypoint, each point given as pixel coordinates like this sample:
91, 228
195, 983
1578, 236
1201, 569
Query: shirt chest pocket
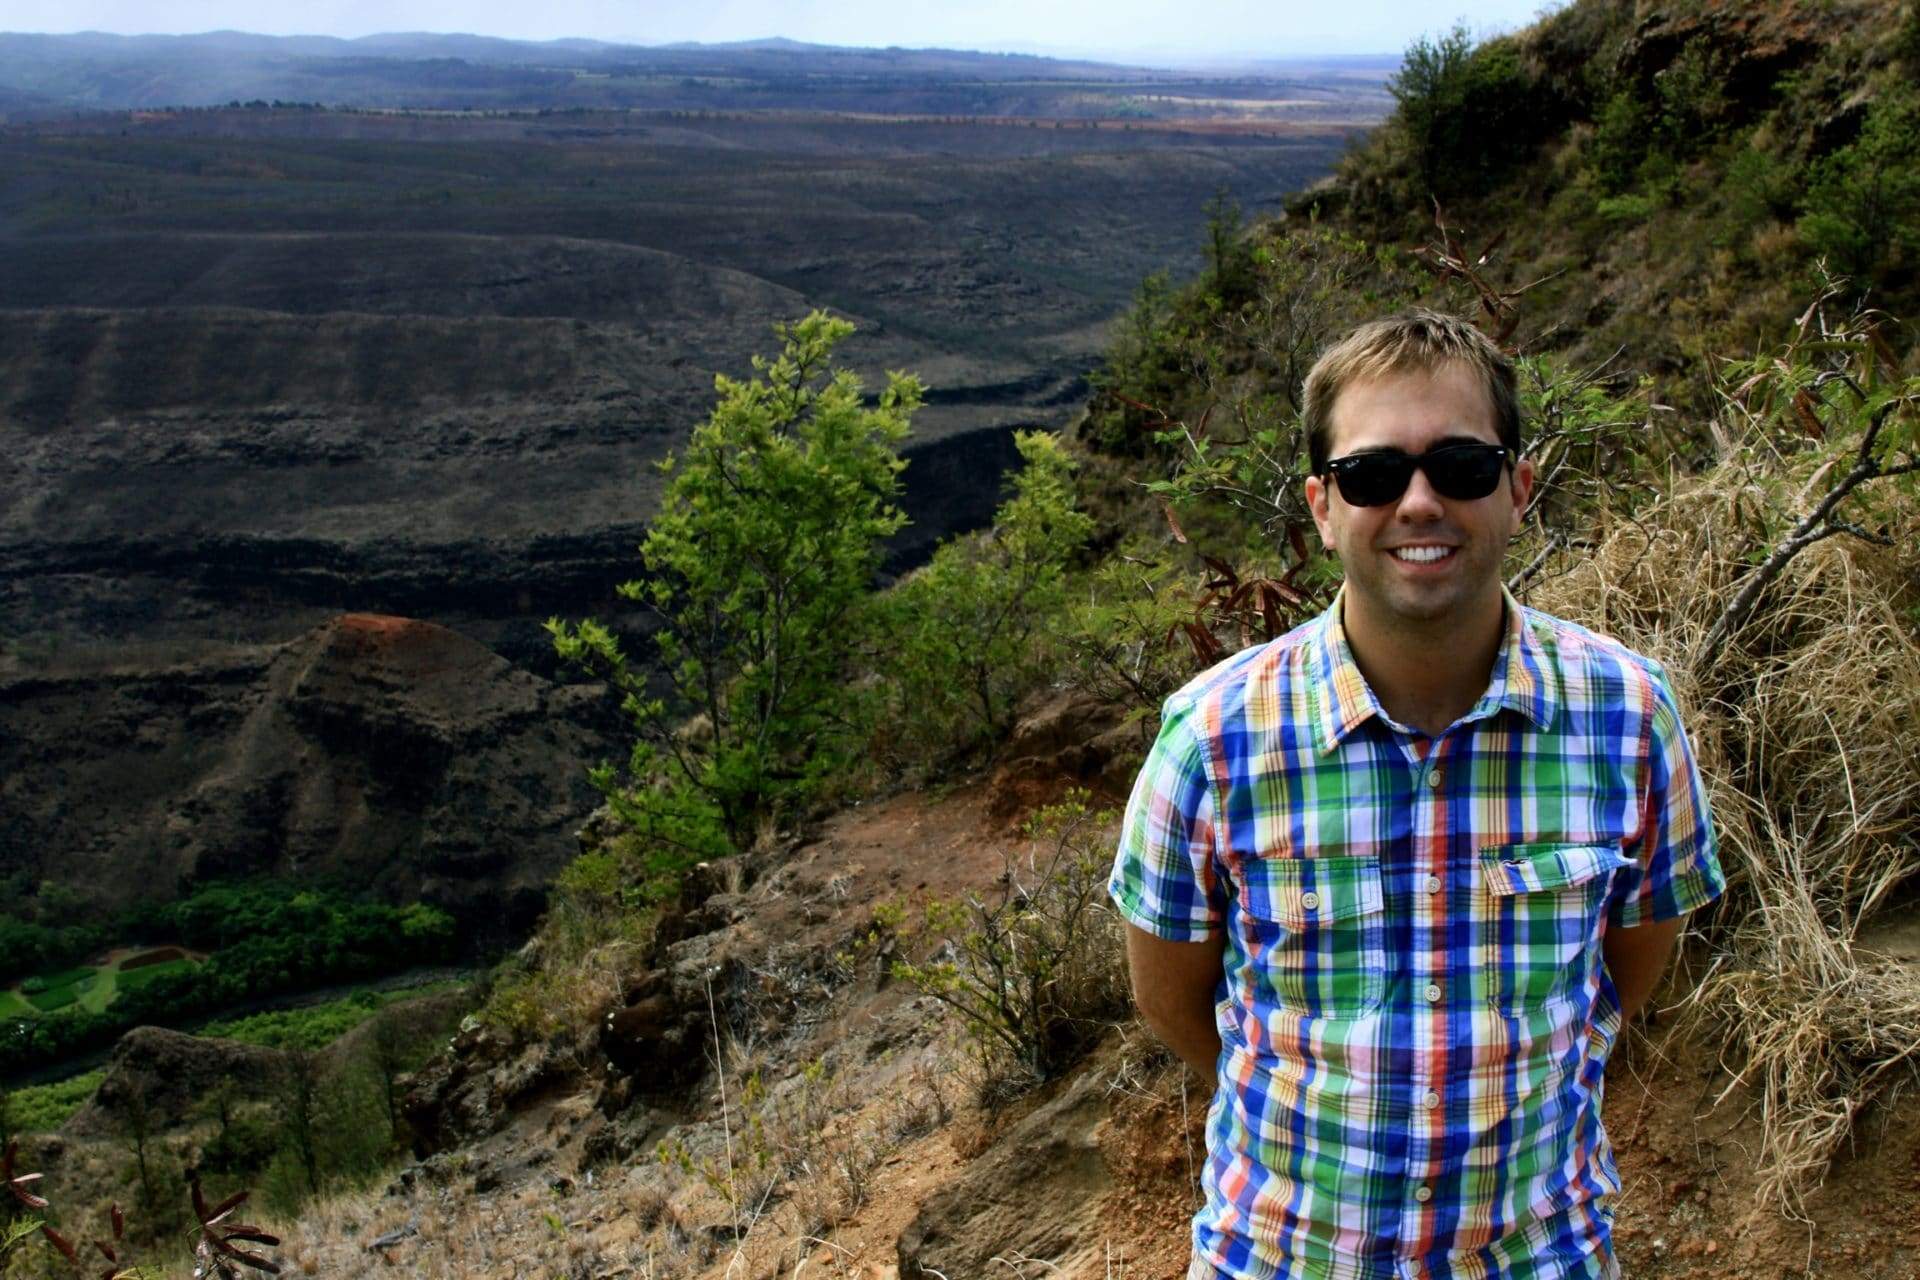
1316, 933
1540, 933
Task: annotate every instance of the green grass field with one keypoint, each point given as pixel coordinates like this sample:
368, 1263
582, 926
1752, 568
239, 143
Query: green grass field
55, 991
64, 978
131, 978
84, 987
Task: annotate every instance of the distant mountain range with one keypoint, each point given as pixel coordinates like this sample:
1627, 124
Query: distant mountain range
99, 71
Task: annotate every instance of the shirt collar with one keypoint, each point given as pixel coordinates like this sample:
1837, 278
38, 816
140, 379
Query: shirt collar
1525, 677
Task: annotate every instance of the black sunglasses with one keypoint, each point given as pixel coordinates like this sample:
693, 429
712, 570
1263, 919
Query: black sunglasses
1462, 472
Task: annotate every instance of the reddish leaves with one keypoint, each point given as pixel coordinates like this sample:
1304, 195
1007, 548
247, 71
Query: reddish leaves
1450, 258
1251, 610
215, 1249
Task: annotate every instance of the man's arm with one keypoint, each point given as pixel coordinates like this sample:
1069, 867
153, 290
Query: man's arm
1174, 985
1636, 958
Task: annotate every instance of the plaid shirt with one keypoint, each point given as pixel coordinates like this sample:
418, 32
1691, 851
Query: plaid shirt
1415, 1016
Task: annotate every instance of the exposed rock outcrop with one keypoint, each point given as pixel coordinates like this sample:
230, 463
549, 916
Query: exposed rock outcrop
168, 1075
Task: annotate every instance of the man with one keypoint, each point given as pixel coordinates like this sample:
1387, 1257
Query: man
1395, 881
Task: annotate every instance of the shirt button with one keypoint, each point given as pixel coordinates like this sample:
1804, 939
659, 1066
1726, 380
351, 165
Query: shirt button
1431, 1101
1432, 993
1310, 900
1433, 884
1423, 1193
1434, 779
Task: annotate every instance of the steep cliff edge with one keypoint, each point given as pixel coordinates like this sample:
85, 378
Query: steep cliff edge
391, 751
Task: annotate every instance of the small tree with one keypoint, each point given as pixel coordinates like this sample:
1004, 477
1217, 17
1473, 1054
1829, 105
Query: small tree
297, 1098
387, 1053
1864, 199
139, 1134
759, 566
1427, 91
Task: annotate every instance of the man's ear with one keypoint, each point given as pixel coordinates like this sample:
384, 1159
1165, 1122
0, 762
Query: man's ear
1522, 490
1319, 499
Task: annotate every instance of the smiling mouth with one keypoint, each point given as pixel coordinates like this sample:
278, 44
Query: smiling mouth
1421, 555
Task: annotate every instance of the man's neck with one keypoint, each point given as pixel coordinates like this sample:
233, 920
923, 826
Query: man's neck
1426, 675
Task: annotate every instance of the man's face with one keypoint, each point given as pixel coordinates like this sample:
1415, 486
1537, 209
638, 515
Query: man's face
1421, 562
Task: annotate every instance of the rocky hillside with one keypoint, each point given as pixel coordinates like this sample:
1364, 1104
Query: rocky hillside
1670, 174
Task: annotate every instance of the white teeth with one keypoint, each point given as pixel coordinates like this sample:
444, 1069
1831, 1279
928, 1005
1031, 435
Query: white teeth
1422, 555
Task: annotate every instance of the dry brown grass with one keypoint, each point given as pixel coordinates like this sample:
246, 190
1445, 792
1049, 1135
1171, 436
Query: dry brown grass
1804, 728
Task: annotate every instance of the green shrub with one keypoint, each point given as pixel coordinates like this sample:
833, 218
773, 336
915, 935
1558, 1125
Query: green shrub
1863, 201
1038, 973
967, 634
1465, 111
1619, 143
311, 1027
593, 936
1118, 636
1624, 209
1757, 185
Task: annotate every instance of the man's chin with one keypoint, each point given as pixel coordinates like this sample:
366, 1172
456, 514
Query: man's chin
1425, 608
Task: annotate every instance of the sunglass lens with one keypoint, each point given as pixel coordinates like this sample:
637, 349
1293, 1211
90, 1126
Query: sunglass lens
1374, 479
1464, 474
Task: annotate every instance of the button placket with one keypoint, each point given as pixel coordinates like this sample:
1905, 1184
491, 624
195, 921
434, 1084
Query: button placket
1434, 846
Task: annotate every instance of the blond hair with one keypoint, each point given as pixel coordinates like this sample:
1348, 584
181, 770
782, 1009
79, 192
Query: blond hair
1419, 340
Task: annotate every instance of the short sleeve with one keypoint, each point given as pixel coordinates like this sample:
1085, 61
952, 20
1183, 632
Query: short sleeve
1679, 865
1164, 878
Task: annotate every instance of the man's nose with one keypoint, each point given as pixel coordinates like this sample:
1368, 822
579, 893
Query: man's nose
1419, 502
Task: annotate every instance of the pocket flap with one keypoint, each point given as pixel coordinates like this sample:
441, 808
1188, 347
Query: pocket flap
1536, 868
1298, 892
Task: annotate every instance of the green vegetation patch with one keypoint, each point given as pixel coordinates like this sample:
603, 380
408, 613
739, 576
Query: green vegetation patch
318, 1025
42, 1108
58, 998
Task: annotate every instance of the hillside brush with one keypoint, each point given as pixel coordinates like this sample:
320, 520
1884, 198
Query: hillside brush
1801, 712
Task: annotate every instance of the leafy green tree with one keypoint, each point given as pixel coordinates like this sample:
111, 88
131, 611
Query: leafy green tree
1464, 110
1426, 94
759, 566
1229, 251
1863, 201
966, 631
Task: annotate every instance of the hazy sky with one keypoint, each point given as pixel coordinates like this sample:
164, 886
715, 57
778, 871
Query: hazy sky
1241, 28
